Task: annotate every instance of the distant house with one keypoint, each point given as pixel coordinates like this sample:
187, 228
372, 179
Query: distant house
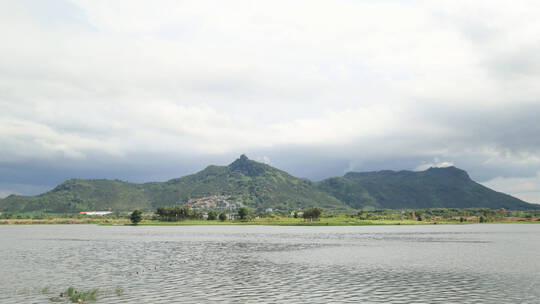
96, 213
269, 210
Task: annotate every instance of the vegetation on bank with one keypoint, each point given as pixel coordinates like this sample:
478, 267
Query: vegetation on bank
309, 217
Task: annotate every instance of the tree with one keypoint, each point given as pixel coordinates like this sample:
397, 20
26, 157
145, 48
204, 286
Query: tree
212, 215
178, 213
222, 216
136, 216
243, 213
312, 213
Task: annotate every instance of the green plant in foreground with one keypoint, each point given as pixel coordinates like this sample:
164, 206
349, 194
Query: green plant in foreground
76, 296
70, 291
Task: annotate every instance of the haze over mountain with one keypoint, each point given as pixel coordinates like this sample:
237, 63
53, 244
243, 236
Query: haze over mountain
261, 186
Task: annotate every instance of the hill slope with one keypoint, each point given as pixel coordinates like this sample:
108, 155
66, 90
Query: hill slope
434, 188
261, 186
255, 184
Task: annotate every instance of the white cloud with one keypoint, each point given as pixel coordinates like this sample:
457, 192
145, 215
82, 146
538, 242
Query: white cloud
435, 164
6, 193
367, 80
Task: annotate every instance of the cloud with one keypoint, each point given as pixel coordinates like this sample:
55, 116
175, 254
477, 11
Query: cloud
6, 193
525, 188
336, 86
435, 164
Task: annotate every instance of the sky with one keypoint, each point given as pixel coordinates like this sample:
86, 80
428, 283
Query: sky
152, 90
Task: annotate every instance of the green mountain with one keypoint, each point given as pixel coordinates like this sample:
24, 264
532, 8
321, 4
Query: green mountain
252, 183
433, 188
261, 186
255, 184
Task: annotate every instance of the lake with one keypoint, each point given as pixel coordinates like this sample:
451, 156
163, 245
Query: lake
491, 263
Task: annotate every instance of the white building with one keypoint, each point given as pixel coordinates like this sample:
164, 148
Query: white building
98, 213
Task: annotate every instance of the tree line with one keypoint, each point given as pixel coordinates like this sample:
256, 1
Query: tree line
178, 213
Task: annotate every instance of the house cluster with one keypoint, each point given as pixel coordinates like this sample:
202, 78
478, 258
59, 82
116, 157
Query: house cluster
212, 202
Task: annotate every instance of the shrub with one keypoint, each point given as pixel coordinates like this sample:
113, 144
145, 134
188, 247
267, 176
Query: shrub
222, 216
243, 213
212, 215
313, 213
136, 217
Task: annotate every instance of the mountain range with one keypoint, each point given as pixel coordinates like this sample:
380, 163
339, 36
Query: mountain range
261, 186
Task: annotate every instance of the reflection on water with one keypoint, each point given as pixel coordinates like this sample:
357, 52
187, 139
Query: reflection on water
242, 264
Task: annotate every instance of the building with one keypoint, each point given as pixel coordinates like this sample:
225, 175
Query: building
96, 213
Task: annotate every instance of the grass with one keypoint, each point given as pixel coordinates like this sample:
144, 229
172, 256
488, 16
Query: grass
273, 221
325, 221
286, 221
62, 221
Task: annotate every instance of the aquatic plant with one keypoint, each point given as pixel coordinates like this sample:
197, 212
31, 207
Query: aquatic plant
76, 296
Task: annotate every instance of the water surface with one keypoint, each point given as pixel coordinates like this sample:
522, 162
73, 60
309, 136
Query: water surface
272, 264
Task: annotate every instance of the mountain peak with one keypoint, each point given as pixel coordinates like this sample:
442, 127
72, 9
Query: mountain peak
247, 167
449, 171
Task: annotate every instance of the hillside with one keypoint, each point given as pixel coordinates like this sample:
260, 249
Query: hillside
433, 188
255, 184
76, 195
261, 186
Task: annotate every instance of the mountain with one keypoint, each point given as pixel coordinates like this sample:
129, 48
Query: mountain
261, 186
255, 184
448, 187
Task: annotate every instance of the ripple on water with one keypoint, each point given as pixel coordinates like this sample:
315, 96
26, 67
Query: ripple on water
281, 265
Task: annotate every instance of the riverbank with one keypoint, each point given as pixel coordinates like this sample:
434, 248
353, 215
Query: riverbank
331, 221
65, 221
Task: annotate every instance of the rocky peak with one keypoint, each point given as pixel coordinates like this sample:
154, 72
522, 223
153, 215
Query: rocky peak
247, 167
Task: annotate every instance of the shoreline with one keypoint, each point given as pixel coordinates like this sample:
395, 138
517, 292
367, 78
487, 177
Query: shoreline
255, 222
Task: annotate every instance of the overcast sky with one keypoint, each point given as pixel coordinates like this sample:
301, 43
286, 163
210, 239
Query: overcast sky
151, 90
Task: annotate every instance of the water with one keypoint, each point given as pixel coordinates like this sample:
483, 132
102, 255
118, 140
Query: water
270, 264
